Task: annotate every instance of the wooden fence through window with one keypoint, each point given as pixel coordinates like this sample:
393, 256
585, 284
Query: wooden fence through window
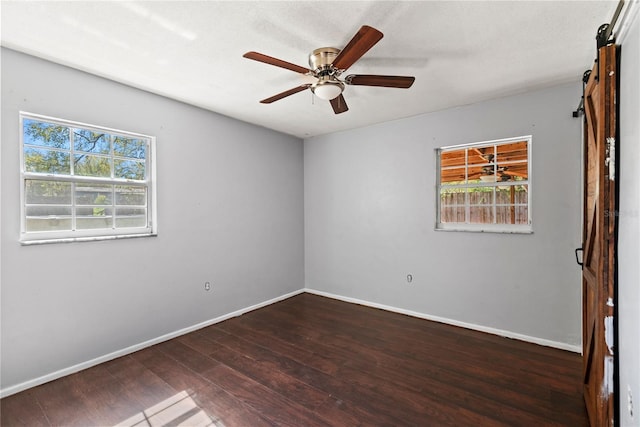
511, 207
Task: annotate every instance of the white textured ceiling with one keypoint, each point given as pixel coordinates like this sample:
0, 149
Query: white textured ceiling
460, 52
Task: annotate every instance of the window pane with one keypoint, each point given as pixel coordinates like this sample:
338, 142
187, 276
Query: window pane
511, 201
49, 211
91, 142
452, 166
94, 194
505, 214
452, 214
45, 134
452, 196
480, 164
481, 205
505, 195
87, 165
131, 217
490, 175
481, 196
47, 192
512, 152
94, 217
520, 194
129, 147
452, 176
78, 178
452, 202
48, 218
129, 169
513, 160
131, 195
511, 194
522, 207
522, 215
453, 158
46, 161
481, 215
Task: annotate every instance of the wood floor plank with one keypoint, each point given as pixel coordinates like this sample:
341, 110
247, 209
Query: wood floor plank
148, 387
267, 374
411, 349
311, 361
226, 409
65, 407
510, 386
22, 409
276, 344
410, 406
112, 404
185, 355
199, 342
173, 373
534, 406
267, 402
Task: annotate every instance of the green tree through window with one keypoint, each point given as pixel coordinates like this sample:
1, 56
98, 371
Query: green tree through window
83, 181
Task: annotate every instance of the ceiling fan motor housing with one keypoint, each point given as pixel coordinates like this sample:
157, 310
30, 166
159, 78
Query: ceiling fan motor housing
321, 60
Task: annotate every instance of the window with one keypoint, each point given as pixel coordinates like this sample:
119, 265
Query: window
82, 182
485, 186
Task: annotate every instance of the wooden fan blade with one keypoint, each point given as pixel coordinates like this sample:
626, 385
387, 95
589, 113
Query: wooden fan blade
364, 40
385, 81
275, 61
339, 104
284, 94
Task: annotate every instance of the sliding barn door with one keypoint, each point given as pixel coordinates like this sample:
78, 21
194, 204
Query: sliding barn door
599, 238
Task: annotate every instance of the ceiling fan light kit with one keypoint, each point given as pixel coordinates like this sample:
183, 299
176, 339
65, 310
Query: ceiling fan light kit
328, 63
327, 88
488, 178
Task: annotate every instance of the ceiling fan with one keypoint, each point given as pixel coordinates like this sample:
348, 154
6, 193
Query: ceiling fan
500, 174
327, 65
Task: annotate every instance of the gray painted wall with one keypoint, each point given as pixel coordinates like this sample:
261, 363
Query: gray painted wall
629, 226
370, 216
230, 211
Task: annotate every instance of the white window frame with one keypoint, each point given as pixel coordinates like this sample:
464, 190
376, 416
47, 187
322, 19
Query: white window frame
475, 227
73, 235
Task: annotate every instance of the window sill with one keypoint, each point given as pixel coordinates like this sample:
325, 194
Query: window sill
477, 228
84, 239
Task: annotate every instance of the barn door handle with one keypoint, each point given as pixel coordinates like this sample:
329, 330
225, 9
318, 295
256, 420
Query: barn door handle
580, 263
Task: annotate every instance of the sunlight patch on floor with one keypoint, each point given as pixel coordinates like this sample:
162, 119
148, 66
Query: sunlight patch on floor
178, 410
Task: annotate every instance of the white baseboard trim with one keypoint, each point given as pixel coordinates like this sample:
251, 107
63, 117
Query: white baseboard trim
494, 331
8, 391
132, 349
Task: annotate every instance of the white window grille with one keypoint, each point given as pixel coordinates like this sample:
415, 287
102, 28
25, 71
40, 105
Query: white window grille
485, 186
84, 182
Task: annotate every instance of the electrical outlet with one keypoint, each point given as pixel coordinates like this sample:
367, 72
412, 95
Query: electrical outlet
207, 286
630, 401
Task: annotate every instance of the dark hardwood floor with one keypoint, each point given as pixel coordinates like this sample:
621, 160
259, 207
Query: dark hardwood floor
314, 361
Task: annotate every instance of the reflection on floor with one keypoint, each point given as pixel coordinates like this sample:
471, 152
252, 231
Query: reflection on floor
179, 409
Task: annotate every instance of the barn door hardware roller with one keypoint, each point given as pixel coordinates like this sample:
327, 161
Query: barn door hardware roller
603, 37
585, 80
